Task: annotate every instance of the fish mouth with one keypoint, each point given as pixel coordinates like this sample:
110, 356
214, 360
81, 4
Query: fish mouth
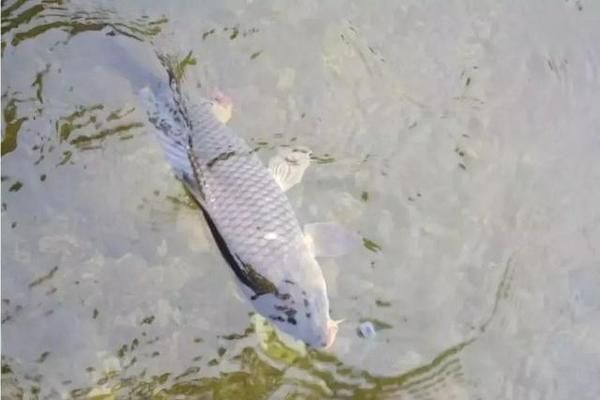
332, 330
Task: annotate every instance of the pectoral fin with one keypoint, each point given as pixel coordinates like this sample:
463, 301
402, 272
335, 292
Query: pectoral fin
221, 106
328, 239
288, 166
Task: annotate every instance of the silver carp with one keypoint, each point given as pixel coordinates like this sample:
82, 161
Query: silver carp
247, 211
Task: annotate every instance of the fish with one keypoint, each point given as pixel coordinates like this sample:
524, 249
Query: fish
247, 210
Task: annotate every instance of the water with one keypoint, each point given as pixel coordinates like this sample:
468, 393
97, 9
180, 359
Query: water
460, 138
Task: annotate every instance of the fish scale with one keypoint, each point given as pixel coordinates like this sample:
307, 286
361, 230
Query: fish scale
248, 214
245, 201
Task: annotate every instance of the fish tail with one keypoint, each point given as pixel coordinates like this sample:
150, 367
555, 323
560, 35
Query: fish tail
166, 110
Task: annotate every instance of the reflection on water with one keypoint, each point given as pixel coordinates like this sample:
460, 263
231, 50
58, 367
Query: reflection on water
12, 125
318, 375
259, 371
84, 129
24, 20
450, 143
49, 15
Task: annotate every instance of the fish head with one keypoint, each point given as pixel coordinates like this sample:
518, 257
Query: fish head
300, 308
319, 331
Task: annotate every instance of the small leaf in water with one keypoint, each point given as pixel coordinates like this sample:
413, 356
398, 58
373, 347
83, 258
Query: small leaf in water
15, 187
43, 356
234, 32
148, 320
381, 303
95, 313
365, 196
326, 159
371, 245
163, 378
213, 362
254, 55
232, 336
44, 278
67, 154
188, 372
122, 351
65, 131
183, 64
207, 33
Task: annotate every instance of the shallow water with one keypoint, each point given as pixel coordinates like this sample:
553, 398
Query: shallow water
461, 138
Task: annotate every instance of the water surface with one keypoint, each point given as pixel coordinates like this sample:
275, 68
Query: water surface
460, 138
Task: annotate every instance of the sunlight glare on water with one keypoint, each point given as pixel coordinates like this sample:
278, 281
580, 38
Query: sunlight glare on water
461, 139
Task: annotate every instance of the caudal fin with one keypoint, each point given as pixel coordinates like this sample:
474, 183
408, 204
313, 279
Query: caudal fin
174, 132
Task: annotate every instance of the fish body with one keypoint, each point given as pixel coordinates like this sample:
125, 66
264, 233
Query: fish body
248, 214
